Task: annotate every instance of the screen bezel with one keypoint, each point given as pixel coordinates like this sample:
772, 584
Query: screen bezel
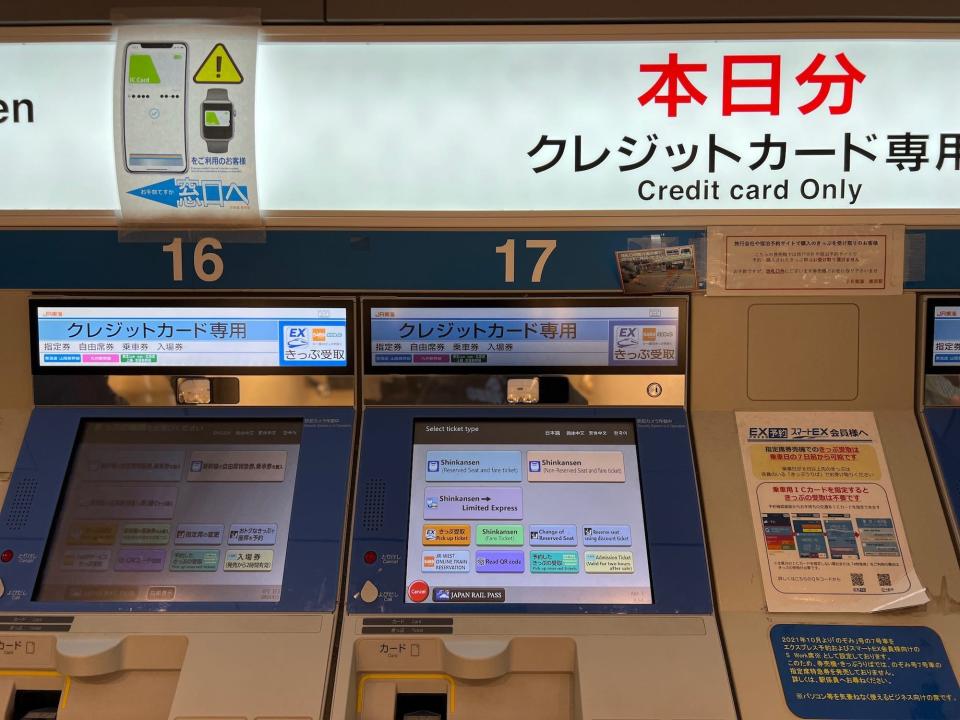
540, 420
315, 539
368, 304
676, 548
181, 370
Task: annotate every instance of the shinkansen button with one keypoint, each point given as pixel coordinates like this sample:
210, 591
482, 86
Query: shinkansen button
654, 390
6, 556
369, 592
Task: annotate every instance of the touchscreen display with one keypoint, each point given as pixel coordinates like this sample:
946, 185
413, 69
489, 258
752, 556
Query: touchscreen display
526, 512
946, 336
174, 511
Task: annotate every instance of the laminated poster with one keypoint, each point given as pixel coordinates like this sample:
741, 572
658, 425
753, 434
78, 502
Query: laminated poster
825, 514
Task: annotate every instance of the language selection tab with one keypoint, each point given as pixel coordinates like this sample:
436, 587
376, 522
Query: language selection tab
551, 512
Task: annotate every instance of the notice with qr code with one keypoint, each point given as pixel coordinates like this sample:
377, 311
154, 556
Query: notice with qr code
827, 525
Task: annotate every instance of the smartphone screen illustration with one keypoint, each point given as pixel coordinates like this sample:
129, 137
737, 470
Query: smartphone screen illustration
154, 107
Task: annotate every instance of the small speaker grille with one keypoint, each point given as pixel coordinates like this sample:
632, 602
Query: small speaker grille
19, 504
371, 504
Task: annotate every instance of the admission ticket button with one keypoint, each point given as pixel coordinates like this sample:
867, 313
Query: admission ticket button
553, 535
248, 561
499, 534
446, 535
499, 561
418, 591
613, 562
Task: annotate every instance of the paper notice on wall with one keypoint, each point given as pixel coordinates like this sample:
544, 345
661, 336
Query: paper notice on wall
825, 260
183, 123
825, 514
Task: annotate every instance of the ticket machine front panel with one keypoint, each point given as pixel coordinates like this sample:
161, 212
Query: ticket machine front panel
940, 397
178, 541
526, 533
819, 358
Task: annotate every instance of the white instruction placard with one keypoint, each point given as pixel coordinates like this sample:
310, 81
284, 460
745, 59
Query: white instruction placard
183, 124
855, 260
825, 515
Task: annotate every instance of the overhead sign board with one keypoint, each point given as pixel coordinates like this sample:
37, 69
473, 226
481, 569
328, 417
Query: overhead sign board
784, 124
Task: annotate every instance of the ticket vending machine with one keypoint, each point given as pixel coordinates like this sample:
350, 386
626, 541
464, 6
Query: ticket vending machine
526, 538
16, 394
817, 506
940, 396
171, 548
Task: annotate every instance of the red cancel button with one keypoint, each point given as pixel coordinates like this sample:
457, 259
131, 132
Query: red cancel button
418, 591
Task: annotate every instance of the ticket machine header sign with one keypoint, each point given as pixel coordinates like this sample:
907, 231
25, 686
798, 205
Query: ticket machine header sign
777, 124
106, 338
478, 337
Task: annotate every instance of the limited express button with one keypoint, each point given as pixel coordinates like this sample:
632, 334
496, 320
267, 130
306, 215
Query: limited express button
469, 595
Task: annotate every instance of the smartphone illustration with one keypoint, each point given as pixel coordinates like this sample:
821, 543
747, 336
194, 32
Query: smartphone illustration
154, 107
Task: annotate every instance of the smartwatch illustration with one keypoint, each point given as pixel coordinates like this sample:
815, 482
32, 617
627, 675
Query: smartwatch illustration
217, 125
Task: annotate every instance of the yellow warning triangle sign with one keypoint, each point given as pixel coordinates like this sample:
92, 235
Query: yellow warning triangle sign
219, 68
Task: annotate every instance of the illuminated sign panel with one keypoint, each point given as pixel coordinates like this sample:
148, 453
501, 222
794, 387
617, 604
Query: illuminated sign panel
532, 126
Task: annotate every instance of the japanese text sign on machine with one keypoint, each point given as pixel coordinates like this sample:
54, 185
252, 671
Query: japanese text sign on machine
464, 338
826, 520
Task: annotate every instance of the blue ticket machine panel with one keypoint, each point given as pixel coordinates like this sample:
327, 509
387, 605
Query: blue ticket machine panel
941, 396
197, 508
533, 532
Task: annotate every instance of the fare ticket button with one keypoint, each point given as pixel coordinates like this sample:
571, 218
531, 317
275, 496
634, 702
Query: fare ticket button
499, 534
